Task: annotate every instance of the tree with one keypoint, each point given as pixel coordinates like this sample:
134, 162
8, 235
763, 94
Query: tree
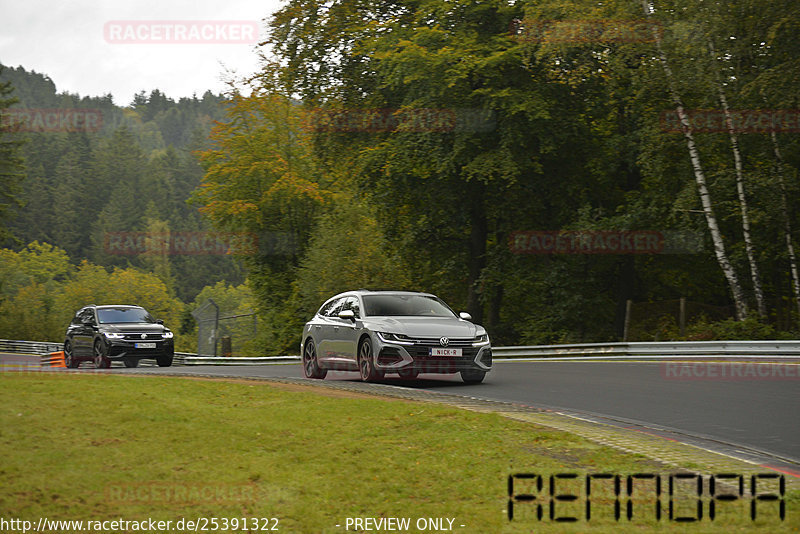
11, 162
261, 181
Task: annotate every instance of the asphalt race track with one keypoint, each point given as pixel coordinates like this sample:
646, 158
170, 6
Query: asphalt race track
755, 417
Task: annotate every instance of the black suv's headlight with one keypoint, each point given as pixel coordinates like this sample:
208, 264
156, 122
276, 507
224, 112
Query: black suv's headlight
401, 339
167, 334
114, 335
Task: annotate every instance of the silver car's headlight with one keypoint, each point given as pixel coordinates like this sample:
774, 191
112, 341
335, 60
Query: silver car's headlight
167, 335
401, 339
482, 339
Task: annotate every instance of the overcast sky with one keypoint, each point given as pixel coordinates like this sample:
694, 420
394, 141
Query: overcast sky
74, 43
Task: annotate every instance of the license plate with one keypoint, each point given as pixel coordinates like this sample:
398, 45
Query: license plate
145, 345
444, 352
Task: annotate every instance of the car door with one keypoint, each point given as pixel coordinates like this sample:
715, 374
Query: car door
346, 332
83, 338
325, 334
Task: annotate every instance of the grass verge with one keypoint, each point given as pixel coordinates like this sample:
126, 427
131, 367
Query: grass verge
106, 447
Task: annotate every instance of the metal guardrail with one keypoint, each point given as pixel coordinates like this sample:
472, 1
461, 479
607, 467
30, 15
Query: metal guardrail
28, 347
656, 349
639, 349
44, 348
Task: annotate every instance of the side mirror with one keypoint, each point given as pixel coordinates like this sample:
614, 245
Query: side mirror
347, 315
465, 316
159, 321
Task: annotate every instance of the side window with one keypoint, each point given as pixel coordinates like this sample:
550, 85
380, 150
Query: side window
87, 316
325, 308
352, 304
77, 319
336, 307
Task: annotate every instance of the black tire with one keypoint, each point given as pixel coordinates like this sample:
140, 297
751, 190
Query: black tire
472, 376
366, 364
408, 374
165, 360
131, 362
101, 361
310, 363
69, 358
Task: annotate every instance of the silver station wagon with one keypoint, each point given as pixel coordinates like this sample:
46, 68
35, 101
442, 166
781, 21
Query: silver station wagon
380, 332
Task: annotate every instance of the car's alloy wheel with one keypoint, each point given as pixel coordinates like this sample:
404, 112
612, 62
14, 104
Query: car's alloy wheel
472, 376
131, 362
165, 360
101, 361
310, 364
408, 374
69, 358
366, 365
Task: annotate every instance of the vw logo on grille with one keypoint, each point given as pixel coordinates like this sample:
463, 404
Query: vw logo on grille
443, 341
144, 336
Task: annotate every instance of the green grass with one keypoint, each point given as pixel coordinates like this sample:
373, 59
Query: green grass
107, 447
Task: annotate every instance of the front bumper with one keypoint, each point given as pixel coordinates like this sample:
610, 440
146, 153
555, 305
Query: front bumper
391, 357
120, 349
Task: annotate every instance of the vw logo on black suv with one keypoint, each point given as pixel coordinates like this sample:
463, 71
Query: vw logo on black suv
117, 332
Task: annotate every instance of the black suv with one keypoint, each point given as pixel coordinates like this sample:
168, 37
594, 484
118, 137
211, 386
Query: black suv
117, 332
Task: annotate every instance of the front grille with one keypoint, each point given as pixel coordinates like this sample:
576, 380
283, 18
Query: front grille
138, 337
434, 342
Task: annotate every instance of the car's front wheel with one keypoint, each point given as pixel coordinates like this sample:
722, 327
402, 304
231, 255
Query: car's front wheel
310, 364
131, 362
471, 376
69, 358
101, 361
165, 360
366, 365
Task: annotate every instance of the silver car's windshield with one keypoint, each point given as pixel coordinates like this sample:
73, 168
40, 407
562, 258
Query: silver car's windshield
413, 305
123, 315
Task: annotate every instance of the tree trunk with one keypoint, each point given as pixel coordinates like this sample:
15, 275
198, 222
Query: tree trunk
477, 251
787, 224
737, 159
700, 179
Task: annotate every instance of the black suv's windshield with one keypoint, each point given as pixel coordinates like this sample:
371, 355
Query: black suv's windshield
423, 305
123, 315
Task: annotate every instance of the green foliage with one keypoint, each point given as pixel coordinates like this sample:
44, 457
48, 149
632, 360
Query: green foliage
40, 291
347, 251
81, 186
11, 162
749, 329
